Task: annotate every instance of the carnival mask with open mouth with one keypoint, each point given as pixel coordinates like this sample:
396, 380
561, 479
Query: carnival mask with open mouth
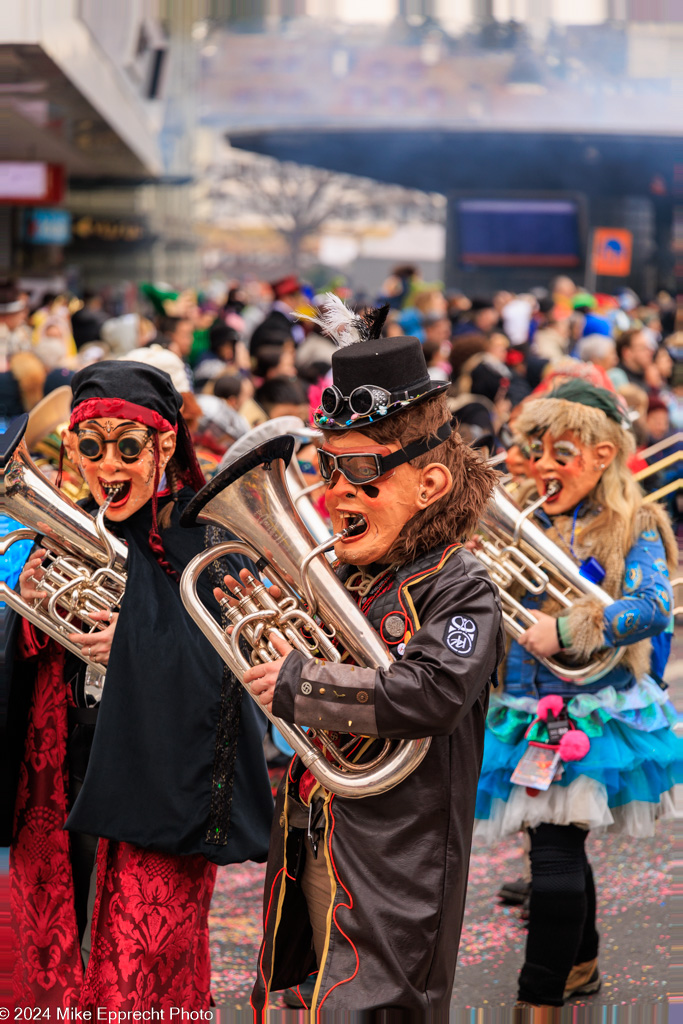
374, 512
117, 459
565, 469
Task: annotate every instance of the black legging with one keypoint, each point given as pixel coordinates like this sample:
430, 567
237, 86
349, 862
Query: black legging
82, 848
561, 913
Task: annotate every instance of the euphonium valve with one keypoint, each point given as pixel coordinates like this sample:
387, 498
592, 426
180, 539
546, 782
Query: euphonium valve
84, 570
516, 551
313, 612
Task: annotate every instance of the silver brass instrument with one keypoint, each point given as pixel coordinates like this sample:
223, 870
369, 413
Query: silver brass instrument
251, 498
299, 490
85, 564
515, 550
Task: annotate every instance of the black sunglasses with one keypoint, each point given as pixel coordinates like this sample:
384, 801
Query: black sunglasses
129, 446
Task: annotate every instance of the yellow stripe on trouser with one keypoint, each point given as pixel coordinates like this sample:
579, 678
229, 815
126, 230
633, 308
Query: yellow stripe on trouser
330, 909
278, 916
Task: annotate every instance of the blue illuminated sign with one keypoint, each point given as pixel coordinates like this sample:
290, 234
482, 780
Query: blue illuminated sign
47, 227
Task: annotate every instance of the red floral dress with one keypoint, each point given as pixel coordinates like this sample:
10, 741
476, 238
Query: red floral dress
150, 937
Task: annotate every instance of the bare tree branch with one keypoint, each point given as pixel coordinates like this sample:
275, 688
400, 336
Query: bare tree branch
297, 200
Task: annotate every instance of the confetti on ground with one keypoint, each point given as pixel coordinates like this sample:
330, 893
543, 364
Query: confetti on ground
631, 879
633, 920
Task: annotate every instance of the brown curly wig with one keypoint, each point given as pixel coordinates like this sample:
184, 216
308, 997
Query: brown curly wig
453, 517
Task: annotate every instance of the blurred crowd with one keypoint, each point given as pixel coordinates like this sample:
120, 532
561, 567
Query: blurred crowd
243, 353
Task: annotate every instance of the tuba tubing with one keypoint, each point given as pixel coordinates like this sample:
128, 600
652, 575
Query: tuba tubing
250, 498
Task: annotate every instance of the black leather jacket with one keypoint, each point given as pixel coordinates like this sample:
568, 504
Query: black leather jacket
398, 861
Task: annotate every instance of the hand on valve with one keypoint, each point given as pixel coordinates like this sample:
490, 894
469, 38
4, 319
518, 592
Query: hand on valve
260, 679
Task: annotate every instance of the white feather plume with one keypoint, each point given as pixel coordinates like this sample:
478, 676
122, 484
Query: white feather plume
339, 322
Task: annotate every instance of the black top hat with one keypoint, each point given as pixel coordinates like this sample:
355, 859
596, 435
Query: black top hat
372, 380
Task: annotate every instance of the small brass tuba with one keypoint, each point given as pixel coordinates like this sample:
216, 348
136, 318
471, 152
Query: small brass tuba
515, 550
85, 564
251, 499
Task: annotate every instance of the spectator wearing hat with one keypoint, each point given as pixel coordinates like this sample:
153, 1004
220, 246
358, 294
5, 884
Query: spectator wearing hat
281, 322
15, 336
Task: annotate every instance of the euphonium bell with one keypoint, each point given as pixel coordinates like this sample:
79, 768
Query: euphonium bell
250, 498
85, 565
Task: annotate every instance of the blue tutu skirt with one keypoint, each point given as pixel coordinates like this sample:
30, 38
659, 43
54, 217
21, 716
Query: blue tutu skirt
624, 782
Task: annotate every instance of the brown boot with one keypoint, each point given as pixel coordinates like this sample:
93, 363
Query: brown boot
583, 980
534, 1013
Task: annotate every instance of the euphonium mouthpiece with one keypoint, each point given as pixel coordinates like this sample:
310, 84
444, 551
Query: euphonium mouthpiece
356, 525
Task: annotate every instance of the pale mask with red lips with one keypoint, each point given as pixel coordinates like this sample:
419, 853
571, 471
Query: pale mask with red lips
385, 505
114, 471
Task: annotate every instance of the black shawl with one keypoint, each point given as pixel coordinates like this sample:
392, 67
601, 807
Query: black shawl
177, 761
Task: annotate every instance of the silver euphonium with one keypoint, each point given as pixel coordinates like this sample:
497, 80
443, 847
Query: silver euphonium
251, 499
85, 564
515, 550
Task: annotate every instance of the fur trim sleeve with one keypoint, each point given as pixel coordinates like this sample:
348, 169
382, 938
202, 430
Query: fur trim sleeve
586, 626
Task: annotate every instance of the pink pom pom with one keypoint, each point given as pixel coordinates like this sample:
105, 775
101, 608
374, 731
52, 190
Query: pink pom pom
574, 745
552, 703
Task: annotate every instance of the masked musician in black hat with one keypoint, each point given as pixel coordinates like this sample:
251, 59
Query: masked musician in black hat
124, 807
371, 892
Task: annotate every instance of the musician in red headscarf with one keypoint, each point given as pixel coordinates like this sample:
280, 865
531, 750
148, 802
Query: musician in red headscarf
125, 804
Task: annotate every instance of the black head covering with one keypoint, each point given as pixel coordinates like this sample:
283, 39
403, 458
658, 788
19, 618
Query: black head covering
136, 391
129, 383
396, 364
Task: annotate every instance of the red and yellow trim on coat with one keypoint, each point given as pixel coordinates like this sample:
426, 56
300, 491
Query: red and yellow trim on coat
336, 883
404, 598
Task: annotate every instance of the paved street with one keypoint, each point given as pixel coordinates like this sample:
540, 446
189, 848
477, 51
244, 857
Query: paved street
633, 919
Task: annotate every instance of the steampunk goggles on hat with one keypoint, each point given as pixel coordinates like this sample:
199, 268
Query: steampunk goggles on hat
363, 467
363, 400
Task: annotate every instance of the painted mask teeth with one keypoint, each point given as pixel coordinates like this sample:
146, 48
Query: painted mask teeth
112, 490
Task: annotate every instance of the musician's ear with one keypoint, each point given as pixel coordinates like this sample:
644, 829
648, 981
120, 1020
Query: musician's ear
167, 443
70, 442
